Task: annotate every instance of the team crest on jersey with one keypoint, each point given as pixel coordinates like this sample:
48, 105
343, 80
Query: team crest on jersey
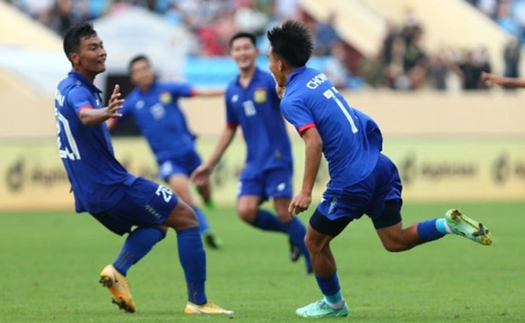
259, 95
165, 97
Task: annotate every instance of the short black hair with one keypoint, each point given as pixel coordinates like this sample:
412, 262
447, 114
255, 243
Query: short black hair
74, 35
292, 41
137, 58
243, 34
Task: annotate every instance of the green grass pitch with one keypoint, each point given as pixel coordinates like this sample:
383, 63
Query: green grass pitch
49, 266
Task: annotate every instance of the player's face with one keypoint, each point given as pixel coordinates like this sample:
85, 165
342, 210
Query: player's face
142, 74
276, 67
243, 52
91, 56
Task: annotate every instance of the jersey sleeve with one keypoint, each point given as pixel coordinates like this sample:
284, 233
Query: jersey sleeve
79, 98
231, 117
180, 89
298, 114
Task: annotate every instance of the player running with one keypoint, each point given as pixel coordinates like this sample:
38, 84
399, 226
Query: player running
252, 103
362, 179
153, 105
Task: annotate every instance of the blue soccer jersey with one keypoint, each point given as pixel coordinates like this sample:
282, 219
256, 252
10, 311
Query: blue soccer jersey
86, 151
160, 119
351, 140
256, 110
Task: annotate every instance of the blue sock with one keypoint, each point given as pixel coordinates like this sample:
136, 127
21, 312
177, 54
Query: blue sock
330, 288
137, 245
267, 221
428, 231
203, 222
193, 260
296, 230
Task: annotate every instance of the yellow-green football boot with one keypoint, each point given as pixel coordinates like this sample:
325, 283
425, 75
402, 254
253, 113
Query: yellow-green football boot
462, 225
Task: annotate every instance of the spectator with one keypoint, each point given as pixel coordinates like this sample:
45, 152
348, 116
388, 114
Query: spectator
506, 21
512, 54
62, 16
326, 36
335, 68
470, 69
249, 19
414, 59
438, 72
287, 9
488, 8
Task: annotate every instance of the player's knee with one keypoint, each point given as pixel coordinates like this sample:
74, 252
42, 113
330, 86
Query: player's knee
282, 212
394, 245
182, 217
314, 246
283, 215
247, 213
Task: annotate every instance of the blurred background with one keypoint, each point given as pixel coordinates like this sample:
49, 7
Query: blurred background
413, 65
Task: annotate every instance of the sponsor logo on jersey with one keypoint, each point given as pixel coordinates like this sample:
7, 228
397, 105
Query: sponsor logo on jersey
259, 95
165, 97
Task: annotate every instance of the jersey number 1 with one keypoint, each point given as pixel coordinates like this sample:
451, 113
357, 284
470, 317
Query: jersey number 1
330, 94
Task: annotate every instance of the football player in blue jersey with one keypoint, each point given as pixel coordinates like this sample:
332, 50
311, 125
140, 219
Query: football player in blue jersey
122, 202
154, 107
252, 103
362, 179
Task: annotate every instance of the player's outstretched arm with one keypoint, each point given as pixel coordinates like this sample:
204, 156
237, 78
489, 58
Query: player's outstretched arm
314, 146
503, 81
201, 175
94, 117
209, 92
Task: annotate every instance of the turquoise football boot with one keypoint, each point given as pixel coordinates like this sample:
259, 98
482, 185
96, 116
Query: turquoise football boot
321, 309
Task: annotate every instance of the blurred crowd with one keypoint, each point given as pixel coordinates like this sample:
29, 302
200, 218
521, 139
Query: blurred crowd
508, 14
402, 64
213, 22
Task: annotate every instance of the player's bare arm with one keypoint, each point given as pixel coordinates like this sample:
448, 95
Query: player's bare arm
210, 92
94, 117
500, 80
313, 147
202, 174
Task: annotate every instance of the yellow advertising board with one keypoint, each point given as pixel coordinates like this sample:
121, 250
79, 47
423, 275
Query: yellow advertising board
460, 169
432, 169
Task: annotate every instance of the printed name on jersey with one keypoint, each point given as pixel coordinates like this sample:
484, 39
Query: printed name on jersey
259, 95
316, 81
165, 97
60, 98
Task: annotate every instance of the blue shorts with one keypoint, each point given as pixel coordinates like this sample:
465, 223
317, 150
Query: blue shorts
272, 183
184, 165
369, 196
145, 204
